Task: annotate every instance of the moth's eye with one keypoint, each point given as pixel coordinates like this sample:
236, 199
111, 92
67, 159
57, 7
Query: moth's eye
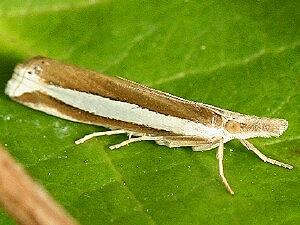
233, 126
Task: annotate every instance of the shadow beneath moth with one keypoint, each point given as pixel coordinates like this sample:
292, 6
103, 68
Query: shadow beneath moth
143, 113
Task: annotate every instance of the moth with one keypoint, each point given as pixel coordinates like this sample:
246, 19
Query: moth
143, 113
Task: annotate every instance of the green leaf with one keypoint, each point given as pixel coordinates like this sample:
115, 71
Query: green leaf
242, 56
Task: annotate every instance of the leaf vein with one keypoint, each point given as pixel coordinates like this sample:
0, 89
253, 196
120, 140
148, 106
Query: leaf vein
123, 55
238, 62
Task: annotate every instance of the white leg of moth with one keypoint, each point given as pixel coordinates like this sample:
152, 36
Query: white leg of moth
143, 138
251, 147
130, 135
204, 147
220, 155
97, 134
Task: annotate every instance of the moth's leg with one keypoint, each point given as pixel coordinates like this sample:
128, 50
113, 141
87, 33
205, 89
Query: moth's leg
130, 135
142, 138
220, 155
97, 134
204, 147
251, 147
197, 143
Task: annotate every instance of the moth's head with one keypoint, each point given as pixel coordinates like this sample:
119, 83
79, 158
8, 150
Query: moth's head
249, 127
25, 78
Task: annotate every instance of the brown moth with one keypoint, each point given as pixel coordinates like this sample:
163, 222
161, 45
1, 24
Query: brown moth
124, 106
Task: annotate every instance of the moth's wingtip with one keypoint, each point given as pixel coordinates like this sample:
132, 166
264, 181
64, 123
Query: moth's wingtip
36, 59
